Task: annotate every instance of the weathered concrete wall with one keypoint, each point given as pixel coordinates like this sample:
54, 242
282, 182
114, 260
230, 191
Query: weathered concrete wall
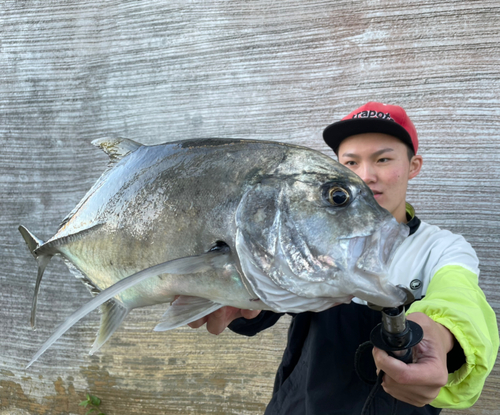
73, 71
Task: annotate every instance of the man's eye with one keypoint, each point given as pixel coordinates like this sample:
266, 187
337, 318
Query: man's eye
350, 163
383, 160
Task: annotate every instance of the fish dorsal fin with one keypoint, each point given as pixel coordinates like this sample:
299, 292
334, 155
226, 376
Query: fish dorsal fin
116, 148
184, 310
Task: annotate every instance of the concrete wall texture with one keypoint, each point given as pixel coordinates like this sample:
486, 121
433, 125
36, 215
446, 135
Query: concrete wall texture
73, 71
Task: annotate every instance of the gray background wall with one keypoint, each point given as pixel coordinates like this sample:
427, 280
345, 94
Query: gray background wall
156, 71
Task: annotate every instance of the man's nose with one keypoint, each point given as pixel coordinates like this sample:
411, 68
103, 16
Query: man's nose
367, 173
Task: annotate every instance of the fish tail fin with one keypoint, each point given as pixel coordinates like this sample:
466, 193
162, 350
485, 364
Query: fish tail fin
113, 313
42, 259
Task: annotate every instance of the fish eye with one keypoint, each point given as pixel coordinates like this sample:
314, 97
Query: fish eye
338, 196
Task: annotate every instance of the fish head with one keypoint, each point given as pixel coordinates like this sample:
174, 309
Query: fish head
311, 235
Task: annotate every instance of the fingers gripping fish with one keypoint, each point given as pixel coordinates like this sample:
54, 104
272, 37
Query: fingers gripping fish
245, 223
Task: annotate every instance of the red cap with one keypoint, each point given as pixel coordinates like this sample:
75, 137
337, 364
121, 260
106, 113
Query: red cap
373, 117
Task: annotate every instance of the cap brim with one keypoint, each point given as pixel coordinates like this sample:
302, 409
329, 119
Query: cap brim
335, 133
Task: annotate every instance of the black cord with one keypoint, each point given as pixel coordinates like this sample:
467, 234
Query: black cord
372, 393
360, 363
364, 348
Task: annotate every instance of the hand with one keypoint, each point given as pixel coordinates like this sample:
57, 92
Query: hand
221, 318
418, 383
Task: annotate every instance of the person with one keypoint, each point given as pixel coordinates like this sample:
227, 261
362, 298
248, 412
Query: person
317, 373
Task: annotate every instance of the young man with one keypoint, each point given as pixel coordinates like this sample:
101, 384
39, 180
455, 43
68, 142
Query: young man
317, 374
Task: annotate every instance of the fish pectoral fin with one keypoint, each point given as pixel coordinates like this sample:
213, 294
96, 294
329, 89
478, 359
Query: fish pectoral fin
112, 316
184, 310
116, 148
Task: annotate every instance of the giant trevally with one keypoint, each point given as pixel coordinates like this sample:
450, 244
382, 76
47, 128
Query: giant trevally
244, 223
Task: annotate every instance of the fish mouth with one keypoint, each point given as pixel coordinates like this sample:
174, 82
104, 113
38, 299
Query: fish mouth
372, 252
371, 257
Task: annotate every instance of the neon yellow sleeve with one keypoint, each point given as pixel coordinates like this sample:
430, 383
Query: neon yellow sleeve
455, 300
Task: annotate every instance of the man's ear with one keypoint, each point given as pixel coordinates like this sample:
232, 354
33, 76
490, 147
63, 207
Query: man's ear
415, 166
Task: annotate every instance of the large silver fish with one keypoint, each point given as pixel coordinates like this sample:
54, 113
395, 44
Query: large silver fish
250, 224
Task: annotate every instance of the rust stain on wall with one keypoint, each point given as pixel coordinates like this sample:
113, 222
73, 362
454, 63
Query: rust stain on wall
64, 401
98, 379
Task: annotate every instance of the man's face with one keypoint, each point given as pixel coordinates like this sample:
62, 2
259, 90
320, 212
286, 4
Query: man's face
382, 163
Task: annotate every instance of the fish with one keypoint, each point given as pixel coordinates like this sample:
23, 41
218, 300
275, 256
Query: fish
204, 223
